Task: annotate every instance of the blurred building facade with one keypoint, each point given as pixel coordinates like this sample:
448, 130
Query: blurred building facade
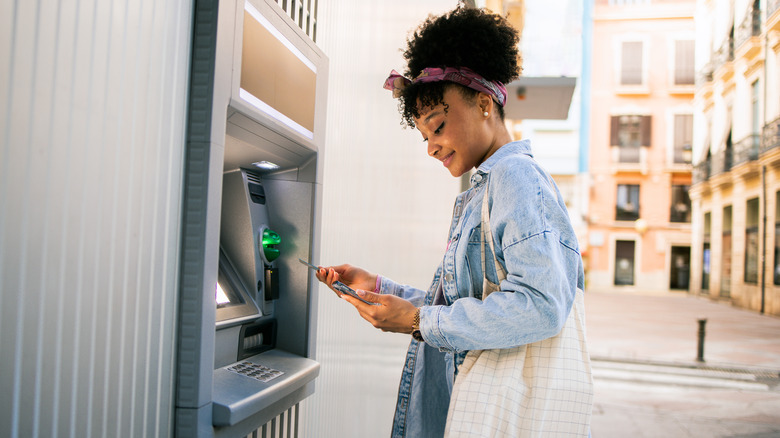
641, 119
544, 104
551, 46
736, 182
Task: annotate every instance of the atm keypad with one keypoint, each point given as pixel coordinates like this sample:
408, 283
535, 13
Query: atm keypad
255, 371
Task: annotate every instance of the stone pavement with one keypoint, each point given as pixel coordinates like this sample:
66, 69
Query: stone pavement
648, 380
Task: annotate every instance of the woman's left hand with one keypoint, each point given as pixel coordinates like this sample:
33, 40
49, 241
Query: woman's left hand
393, 315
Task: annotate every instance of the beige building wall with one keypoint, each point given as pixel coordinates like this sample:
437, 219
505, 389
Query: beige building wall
736, 145
657, 25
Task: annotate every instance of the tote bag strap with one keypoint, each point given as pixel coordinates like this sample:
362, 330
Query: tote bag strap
487, 235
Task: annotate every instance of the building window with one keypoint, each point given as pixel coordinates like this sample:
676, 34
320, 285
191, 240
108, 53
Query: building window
725, 278
705, 254
681, 204
683, 138
627, 208
624, 262
751, 242
684, 70
631, 59
629, 133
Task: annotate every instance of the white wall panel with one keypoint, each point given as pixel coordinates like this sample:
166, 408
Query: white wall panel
92, 111
386, 207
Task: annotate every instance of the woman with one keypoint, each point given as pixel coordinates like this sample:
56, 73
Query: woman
453, 93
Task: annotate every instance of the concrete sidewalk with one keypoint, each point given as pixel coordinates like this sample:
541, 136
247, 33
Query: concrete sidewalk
664, 328
649, 384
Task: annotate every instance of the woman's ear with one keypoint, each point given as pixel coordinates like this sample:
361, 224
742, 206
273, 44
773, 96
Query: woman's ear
485, 103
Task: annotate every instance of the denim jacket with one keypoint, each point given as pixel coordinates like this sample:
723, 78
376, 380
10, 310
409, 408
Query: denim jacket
536, 244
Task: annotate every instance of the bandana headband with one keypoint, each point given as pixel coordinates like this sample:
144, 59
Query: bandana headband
463, 76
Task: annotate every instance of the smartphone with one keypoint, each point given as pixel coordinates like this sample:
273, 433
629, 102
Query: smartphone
339, 286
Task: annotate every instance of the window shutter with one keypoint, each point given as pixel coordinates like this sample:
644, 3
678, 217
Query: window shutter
679, 131
631, 68
684, 70
683, 130
644, 126
614, 128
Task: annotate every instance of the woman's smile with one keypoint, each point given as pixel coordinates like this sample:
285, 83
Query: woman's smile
448, 159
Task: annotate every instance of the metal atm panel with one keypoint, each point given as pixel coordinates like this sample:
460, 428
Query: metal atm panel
245, 230
263, 353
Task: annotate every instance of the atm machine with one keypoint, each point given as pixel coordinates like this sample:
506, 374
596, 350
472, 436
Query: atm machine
270, 83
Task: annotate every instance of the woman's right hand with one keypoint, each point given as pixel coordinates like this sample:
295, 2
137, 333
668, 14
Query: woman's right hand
352, 276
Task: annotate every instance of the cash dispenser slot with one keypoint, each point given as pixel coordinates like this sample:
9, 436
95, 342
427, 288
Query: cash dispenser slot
256, 338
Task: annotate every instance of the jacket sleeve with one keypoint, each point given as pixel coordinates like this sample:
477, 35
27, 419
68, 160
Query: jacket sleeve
409, 293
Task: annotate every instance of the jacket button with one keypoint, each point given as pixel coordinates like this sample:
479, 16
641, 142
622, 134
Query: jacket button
448, 277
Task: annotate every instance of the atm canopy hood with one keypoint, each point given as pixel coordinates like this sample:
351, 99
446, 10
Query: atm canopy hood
546, 98
277, 102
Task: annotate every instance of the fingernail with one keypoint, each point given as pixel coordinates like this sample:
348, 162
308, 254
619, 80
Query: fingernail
361, 292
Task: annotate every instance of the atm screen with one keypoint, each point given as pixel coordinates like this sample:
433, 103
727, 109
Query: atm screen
233, 301
226, 295
222, 297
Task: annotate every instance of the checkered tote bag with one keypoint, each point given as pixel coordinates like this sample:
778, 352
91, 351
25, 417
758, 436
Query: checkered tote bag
544, 389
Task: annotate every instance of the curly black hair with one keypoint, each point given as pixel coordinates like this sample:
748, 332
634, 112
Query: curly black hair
464, 37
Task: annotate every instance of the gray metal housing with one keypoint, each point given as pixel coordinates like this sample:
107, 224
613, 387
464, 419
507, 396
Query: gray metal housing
226, 134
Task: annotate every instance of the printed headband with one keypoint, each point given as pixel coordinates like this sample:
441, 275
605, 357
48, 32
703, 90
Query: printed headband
463, 76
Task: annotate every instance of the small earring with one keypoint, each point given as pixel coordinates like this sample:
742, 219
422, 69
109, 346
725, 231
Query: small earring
485, 114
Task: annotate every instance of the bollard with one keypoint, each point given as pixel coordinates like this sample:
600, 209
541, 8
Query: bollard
702, 325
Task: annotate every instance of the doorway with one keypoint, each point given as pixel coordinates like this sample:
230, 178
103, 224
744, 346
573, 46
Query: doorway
624, 262
680, 272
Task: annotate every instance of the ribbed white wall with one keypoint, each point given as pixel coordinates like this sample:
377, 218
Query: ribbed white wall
92, 111
386, 207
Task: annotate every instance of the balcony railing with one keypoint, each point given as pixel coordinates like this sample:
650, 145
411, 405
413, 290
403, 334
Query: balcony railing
701, 171
746, 149
722, 161
750, 26
770, 135
629, 155
724, 54
704, 75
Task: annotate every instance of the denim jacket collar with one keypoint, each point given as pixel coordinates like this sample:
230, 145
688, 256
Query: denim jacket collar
515, 147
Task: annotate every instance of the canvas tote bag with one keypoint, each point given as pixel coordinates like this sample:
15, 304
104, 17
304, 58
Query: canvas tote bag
544, 389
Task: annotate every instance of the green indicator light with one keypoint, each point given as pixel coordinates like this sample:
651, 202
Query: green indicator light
270, 239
